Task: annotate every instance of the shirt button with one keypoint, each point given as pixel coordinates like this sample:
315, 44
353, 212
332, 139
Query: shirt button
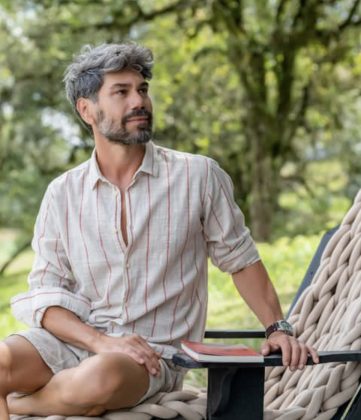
127, 265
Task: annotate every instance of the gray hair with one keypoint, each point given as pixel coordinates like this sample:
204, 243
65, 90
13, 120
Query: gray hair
85, 75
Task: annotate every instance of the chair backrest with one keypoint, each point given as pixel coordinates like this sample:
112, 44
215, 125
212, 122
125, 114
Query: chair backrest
327, 314
312, 268
353, 407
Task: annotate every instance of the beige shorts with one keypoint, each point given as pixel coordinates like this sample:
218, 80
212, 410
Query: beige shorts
59, 356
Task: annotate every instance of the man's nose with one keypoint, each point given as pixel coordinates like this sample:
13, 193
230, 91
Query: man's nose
136, 100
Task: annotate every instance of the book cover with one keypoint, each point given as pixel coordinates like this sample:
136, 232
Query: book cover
214, 352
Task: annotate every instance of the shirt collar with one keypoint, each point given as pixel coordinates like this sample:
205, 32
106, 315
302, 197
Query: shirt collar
94, 171
149, 165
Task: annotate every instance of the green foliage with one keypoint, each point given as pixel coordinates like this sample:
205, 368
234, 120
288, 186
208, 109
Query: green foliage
266, 88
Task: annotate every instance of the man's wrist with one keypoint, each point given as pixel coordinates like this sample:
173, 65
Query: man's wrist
279, 326
95, 341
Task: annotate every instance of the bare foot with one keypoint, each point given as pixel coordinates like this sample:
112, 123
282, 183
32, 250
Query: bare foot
21, 403
15, 404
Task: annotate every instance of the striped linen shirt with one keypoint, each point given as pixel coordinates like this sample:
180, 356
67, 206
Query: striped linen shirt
180, 210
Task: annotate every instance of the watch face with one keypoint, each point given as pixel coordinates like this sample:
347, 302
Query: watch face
285, 326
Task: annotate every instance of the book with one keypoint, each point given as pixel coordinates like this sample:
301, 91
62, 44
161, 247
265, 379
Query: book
225, 353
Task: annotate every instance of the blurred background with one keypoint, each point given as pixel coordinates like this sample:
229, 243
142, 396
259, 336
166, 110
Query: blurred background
268, 88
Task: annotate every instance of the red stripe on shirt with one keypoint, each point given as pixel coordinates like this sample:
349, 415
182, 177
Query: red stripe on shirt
70, 295
218, 223
43, 274
103, 249
116, 226
205, 183
44, 222
59, 260
182, 253
130, 244
82, 235
228, 202
168, 241
67, 213
148, 247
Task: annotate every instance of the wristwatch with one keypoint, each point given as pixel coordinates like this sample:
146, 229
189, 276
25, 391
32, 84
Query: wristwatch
280, 325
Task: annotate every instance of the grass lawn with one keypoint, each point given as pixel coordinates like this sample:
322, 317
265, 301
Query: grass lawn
286, 260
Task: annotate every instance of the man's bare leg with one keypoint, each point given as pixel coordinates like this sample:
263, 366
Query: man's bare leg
104, 381
21, 369
4, 414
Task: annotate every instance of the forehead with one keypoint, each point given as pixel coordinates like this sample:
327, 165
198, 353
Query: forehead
123, 77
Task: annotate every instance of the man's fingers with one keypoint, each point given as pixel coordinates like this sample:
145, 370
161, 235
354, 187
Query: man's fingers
144, 354
294, 352
266, 349
150, 360
303, 356
313, 354
269, 347
286, 352
295, 355
150, 363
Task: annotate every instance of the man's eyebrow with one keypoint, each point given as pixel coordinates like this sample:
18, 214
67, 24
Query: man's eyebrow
127, 85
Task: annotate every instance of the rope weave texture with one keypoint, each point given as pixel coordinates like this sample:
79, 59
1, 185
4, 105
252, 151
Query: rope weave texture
327, 316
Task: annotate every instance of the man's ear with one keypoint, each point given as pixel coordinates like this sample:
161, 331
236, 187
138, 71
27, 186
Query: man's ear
85, 109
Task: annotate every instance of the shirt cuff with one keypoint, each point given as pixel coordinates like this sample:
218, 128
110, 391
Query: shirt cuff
30, 307
240, 257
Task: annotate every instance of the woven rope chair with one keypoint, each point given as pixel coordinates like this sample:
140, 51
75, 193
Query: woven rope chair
326, 313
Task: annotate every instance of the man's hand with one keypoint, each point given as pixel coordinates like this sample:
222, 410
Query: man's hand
134, 346
65, 325
294, 352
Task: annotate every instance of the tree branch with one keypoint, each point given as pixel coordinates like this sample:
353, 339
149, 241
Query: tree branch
301, 112
14, 255
327, 35
155, 13
348, 20
231, 14
300, 11
125, 21
280, 10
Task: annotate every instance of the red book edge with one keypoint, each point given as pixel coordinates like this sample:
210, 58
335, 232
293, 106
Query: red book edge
215, 349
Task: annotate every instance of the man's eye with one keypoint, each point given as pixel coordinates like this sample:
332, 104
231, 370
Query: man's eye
122, 92
143, 91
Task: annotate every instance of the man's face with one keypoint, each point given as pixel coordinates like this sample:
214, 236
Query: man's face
124, 109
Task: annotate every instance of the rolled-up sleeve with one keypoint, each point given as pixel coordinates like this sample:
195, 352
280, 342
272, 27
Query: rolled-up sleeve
51, 282
230, 245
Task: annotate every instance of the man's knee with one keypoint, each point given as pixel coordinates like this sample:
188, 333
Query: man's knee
5, 368
94, 381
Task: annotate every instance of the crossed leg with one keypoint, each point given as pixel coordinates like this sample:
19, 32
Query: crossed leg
21, 369
104, 381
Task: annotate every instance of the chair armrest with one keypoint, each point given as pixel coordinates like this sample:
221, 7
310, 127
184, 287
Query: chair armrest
275, 359
234, 334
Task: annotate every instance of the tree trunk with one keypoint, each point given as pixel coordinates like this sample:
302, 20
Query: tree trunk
263, 182
262, 198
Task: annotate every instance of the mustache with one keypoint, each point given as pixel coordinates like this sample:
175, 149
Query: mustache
137, 113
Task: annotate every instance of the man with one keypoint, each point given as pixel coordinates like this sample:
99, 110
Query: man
121, 243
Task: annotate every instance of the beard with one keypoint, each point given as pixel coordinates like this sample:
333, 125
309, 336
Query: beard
117, 133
